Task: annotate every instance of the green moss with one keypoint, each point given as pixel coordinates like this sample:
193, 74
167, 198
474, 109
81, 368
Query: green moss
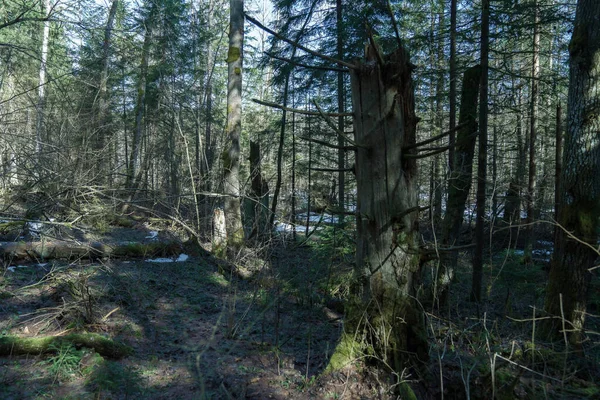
347, 351
406, 392
237, 71
233, 54
226, 159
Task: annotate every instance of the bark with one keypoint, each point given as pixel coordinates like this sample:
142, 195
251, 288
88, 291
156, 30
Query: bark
459, 184
39, 127
387, 260
13, 345
452, 118
482, 156
133, 169
570, 276
340, 101
231, 157
531, 183
259, 195
557, 170
283, 121
103, 120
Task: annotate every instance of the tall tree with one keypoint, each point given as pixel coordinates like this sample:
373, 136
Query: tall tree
452, 105
39, 127
579, 213
231, 156
387, 259
340, 104
102, 117
482, 156
459, 184
533, 125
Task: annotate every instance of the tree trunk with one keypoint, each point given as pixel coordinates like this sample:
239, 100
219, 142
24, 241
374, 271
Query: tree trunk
231, 157
557, 170
452, 118
482, 156
533, 135
39, 127
459, 184
140, 105
103, 116
284, 119
570, 274
259, 196
387, 256
340, 101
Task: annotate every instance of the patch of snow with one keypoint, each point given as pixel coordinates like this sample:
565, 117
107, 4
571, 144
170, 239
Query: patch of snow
160, 260
542, 252
13, 267
545, 243
153, 235
283, 227
181, 258
35, 228
518, 252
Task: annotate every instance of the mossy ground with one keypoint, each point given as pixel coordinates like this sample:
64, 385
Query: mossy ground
197, 333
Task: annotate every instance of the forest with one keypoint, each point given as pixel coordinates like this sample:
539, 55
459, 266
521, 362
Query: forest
292, 199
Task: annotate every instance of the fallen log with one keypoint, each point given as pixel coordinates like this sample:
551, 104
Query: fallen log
57, 249
14, 345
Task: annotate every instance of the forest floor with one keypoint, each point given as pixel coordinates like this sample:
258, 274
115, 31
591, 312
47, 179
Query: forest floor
198, 331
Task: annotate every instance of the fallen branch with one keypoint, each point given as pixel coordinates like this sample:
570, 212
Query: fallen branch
14, 345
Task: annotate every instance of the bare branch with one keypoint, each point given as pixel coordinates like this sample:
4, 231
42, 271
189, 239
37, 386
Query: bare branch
433, 139
425, 155
299, 46
297, 110
331, 124
324, 143
299, 64
332, 169
394, 23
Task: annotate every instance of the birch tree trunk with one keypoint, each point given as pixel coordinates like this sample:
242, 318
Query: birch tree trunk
575, 252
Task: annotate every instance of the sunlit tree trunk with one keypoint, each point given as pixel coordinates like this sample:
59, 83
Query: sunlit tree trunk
133, 169
231, 156
103, 129
39, 127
